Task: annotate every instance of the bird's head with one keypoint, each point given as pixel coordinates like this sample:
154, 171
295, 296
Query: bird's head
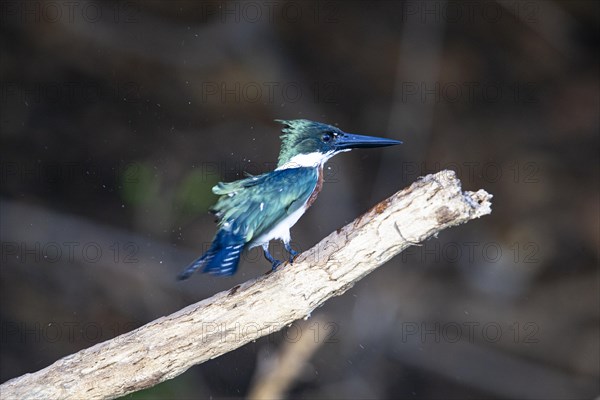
308, 143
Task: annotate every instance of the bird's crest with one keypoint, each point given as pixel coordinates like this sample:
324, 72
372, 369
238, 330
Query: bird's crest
301, 136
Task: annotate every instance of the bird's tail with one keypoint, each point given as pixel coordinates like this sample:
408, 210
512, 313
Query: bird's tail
222, 258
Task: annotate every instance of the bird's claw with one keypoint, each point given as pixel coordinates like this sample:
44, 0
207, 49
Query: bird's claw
276, 263
293, 256
293, 253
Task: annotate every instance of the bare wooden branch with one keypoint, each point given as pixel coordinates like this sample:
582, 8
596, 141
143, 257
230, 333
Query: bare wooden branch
168, 346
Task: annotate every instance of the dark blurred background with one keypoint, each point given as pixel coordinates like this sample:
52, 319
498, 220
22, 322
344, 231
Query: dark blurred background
118, 117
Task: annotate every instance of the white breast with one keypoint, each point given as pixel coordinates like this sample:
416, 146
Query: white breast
280, 231
307, 160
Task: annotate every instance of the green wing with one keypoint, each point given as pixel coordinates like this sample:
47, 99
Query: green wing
253, 205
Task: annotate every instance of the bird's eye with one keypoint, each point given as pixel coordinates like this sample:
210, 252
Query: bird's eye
327, 136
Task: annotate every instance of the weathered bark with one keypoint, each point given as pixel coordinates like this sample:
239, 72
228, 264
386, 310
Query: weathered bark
168, 346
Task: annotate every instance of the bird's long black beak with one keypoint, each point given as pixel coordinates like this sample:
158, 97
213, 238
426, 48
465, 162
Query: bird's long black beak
349, 141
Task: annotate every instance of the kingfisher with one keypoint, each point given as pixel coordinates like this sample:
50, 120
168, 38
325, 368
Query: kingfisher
257, 209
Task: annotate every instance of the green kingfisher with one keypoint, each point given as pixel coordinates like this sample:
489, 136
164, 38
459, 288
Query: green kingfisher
255, 210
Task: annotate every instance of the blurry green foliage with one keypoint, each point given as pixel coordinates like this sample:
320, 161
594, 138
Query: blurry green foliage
141, 187
194, 194
182, 387
139, 184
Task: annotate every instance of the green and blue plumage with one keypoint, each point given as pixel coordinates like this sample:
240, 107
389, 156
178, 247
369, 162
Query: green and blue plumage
257, 209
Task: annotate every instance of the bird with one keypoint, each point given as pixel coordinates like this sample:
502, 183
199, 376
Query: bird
255, 210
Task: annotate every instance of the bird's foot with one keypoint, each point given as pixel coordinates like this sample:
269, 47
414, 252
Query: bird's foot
275, 265
293, 253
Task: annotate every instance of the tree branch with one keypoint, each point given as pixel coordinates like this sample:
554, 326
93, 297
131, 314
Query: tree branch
168, 346
271, 381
